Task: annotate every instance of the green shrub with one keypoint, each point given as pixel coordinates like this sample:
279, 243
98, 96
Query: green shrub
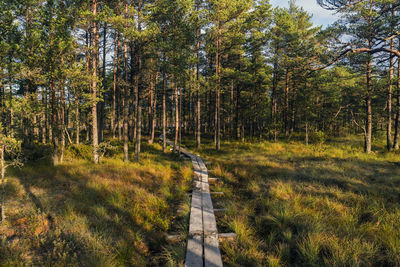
36, 151
318, 137
108, 149
81, 151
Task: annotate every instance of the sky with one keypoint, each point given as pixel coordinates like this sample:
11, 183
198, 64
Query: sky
320, 16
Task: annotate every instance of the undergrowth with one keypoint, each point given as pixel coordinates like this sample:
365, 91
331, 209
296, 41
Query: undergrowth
81, 214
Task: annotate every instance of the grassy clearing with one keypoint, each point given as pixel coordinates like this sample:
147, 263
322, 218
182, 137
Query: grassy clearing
113, 214
318, 205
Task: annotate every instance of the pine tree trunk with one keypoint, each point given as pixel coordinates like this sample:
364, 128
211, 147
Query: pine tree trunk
115, 70
125, 98
132, 103
101, 104
44, 116
368, 109
198, 106
274, 98
180, 121
237, 123
396, 141
26, 125
77, 118
3, 185
54, 111
151, 107
54, 124
176, 116
139, 86
62, 116
164, 113
389, 102
287, 103
11, 108
218, 93
95, 46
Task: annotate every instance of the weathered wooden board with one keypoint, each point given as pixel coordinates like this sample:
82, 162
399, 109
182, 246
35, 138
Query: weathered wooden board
212, 254
196, 214
194, 251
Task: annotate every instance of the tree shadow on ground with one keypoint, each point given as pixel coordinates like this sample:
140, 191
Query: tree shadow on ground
93, 219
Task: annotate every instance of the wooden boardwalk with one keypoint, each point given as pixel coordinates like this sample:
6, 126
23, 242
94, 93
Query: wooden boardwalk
203, 245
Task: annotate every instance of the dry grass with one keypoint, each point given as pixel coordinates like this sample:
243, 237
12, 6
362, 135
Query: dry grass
113, 214
319, 205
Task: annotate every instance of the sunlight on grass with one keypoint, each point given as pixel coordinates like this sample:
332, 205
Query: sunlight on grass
326, 204
111, 214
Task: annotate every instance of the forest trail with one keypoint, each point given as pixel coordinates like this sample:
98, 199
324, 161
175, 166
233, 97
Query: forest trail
202, 246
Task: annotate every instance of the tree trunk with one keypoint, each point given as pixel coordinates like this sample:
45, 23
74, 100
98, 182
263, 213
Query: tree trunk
139, 85
180, 121
397, 119
3, 185
62, 115
77, 118
101, 104
95, 46
154, 111
134, 87
368, 109
125, 98
389, 102
44, 116
54, 123
198, 106
54, 113
152, 101
115, 70
176, 116
274, 103
164, 113
218, 93
11, 106
287, 103
138, 112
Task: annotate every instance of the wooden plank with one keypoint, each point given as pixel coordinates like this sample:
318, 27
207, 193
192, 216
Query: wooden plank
174, 238
213, 180
209, 223
196, 215
194, 251
226, 237
212, 254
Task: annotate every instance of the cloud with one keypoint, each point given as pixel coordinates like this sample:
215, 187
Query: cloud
320, 16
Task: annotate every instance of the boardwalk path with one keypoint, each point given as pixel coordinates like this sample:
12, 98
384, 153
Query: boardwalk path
202, 247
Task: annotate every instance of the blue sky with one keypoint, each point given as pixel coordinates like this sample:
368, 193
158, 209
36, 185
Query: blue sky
320, 16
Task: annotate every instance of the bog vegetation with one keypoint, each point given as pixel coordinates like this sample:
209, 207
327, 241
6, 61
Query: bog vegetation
326, 204
301, 121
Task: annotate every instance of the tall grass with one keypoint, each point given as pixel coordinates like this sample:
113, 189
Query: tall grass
326, 204
112, 214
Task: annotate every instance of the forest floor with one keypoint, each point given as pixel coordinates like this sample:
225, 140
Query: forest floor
112, 214
318, 205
